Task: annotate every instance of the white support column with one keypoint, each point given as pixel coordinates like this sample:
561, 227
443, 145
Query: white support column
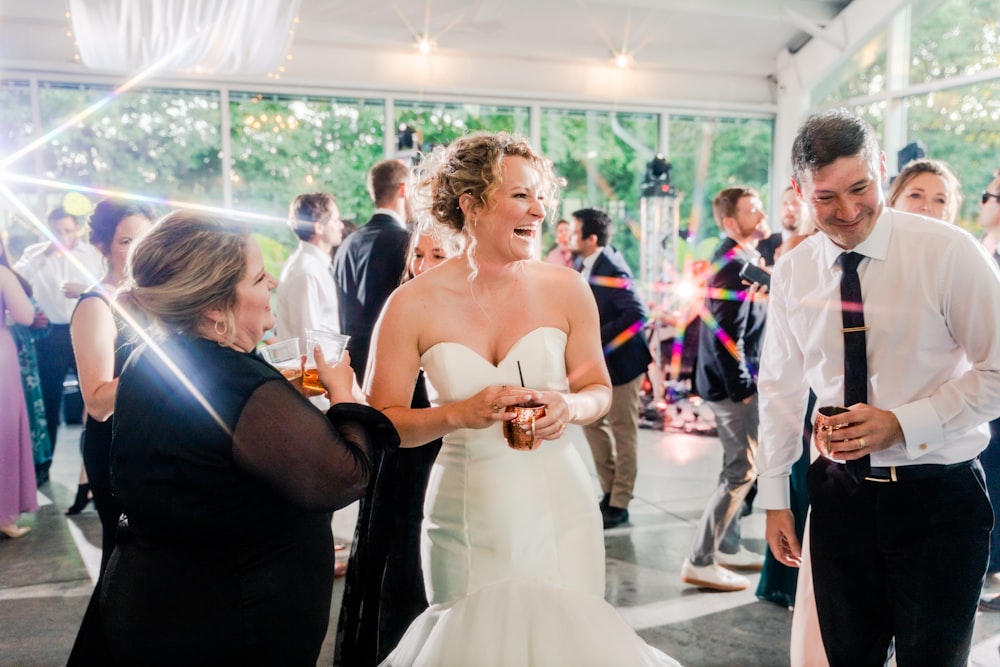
389, 132
226, 135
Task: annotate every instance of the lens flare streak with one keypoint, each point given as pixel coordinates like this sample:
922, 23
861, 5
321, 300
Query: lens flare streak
119, 311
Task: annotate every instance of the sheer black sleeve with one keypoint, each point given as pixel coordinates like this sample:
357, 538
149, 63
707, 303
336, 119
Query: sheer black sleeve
317, 462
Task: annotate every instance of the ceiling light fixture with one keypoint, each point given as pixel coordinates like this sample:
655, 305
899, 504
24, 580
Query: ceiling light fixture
424, 45
622, 59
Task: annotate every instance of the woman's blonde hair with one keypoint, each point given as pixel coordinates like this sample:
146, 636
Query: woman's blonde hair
938, 168
472, 165
187, 264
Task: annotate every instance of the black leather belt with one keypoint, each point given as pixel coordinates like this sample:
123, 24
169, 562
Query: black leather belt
912, 473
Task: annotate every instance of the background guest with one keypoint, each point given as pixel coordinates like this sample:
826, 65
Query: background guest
17, 470
384, 590
306, 296
369, 263
561, 253
101, 344
27, 356
613, 438
927, 187
58, 271
726, 377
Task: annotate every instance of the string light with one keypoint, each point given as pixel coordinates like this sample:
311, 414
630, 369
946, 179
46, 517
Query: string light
69, 34
276, 75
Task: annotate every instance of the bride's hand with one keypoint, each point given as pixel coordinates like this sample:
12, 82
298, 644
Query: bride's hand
490, 405
557, 417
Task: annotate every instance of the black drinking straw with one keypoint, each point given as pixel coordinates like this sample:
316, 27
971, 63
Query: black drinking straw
520, 373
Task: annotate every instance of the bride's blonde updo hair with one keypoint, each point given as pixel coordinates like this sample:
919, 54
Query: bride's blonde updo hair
472, 165
187, 264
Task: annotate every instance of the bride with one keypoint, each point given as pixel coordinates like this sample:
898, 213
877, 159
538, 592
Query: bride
512, 543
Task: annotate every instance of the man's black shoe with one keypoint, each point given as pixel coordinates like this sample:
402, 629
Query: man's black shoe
614, 516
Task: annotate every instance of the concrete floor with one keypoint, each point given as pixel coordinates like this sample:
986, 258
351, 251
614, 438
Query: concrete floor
46, 577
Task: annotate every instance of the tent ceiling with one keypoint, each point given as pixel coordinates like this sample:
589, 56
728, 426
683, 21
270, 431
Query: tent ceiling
712, 51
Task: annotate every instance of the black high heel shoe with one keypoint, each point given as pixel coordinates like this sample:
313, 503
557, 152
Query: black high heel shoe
83, 498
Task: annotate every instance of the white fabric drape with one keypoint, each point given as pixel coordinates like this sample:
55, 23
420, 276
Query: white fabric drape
206, 36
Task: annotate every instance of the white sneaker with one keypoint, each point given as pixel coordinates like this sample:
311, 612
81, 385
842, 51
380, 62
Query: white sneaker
744, 559
712, 576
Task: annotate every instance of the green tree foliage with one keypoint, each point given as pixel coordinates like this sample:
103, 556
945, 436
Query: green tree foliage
603, 156
153, 142
440, 124
711, 154
285, 146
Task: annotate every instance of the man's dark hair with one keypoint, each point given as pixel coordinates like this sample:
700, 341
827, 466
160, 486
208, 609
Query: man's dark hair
306, 210
594, 222
59, 213
828, 136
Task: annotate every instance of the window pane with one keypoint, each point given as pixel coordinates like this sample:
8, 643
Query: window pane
711, 154
157, 143
603, 156
284, 146
433, 124
16, 131
861, 75
960, 126
953, 38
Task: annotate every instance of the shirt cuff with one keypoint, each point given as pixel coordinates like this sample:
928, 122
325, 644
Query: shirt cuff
774, 493
922, 429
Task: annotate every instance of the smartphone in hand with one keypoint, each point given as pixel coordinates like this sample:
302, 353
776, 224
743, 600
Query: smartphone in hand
755, 274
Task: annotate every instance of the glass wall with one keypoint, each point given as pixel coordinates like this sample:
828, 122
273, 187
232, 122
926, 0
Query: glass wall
953, 38
962, 127
169, 144
603, 156
283, 146
710, 154
154, 142
863, 74
424, 125
953, 60
17, 128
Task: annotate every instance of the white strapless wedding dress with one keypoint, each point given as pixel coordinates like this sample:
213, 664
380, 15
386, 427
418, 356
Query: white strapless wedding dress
513, 545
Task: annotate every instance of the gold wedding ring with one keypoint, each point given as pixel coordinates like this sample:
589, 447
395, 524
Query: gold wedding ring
862, 441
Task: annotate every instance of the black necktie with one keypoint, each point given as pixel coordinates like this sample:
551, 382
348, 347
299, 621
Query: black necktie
855, 350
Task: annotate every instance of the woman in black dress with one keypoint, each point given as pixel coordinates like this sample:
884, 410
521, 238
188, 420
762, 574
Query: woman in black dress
384, 590
101, 345
225, 472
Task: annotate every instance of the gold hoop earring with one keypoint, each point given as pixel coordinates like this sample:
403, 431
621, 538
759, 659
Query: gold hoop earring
225, 328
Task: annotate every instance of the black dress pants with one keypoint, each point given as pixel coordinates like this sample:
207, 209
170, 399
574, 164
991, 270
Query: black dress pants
898, 559
990, 458
55, 359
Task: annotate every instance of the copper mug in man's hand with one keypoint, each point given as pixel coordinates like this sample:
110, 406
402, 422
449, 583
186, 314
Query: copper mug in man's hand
519, 432
822, 429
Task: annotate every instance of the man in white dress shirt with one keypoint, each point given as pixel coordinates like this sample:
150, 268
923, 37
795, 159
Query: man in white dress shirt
306, 294
899, 551
59, 271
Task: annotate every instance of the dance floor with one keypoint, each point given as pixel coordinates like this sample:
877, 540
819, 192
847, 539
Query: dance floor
47, 576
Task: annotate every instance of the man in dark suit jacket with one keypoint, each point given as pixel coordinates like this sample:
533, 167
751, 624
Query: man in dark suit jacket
613, 438
726, 377
370, 262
